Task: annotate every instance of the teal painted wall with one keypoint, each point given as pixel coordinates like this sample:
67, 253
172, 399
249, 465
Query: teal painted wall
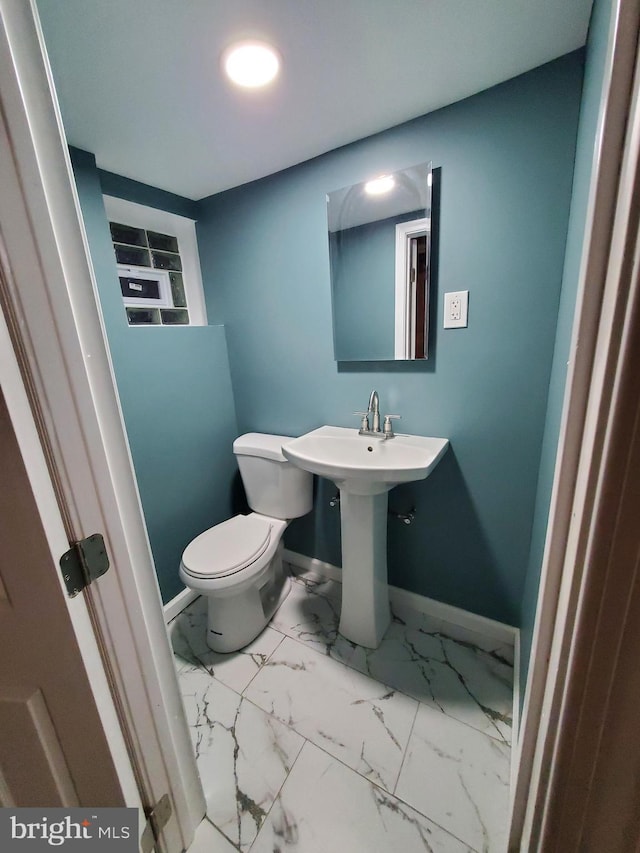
175, 391
363, 298
506, 157
129, 190
587, 130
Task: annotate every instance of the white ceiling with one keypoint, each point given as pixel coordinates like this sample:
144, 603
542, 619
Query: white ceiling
140, 86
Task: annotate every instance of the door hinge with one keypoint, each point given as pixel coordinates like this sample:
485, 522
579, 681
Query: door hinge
83, 563
157, 818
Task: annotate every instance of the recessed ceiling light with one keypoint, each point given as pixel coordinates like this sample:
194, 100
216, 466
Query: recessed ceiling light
251, 64
380, 185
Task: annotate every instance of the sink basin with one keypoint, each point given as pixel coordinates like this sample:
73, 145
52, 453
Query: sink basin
365, 464
364, 468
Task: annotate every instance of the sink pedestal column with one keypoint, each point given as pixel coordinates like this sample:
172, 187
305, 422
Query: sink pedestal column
365, 613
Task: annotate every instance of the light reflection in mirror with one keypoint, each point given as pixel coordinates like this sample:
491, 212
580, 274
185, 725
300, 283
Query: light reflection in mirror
380, 244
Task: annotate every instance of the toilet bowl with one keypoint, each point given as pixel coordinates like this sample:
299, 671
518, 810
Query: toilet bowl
237, 564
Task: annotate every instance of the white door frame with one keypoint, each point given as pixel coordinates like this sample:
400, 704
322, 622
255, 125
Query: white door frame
405, 289
591, 800
50, 304
595, 357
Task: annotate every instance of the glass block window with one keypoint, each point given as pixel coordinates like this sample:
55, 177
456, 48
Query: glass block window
151, 276
143, 316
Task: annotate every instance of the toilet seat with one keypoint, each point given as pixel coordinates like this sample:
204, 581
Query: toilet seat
227, 548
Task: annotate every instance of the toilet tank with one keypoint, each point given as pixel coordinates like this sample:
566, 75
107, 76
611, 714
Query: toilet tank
273, 485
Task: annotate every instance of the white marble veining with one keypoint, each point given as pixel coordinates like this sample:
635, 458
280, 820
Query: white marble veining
502, 650
363, 723
311, 613
236, 669
243, 755
419, 657
464, 674
459, 777
187, 633
307, 742
208, 839
324, 806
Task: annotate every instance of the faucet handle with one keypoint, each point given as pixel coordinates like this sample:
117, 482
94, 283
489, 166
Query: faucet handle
387, 428
364, 423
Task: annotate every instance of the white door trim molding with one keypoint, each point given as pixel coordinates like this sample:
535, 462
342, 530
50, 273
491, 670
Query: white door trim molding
591, 799
404, 337
587, 409
52, 312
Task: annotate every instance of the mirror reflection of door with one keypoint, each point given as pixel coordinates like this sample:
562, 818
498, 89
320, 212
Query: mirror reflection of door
412, 289
418, 301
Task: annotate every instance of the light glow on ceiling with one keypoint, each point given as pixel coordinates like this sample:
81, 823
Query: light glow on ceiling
251, 64
379, 186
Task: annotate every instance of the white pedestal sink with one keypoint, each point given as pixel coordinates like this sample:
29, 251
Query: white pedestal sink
364, 468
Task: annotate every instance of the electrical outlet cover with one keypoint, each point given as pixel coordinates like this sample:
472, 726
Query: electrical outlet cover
456, 309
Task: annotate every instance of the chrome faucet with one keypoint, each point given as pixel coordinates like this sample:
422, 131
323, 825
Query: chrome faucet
374, 410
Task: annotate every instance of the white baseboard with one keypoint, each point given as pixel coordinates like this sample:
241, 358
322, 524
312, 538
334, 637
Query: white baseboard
447, 612
515, 726
516, 687
311, 564
178, 603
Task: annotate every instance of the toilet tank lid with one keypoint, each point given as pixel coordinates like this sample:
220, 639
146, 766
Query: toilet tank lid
261, 444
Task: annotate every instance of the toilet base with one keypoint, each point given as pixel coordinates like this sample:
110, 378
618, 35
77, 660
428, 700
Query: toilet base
234, 621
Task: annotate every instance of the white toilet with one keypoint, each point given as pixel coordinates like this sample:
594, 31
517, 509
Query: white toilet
238, 564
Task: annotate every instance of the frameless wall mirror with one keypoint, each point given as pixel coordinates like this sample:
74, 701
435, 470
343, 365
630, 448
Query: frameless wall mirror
380, 248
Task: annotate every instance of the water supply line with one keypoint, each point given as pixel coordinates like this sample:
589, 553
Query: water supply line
404, 517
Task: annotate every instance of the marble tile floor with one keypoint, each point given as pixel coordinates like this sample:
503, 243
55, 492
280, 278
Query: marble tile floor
308, 743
